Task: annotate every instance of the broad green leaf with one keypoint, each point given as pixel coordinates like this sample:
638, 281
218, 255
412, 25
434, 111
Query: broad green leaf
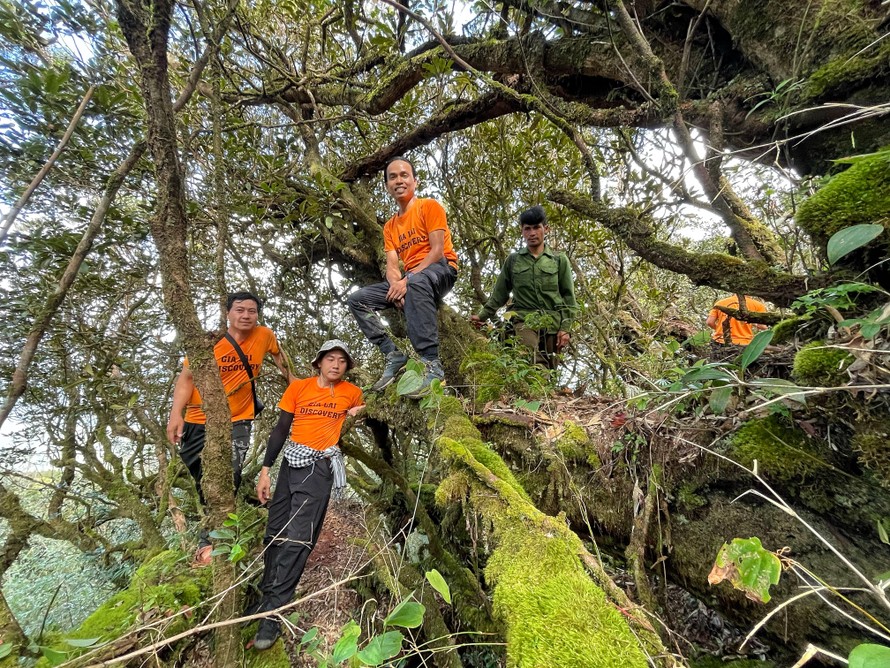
5, 650
719, 398
237, 553
755, 349
698, 339
347, 646
408, 614
703, 374
82, 642
850, 238
748, 566
380, 648
882, 533
309, 636
438, 583
868, 655
53, 656
222, 534
411, 381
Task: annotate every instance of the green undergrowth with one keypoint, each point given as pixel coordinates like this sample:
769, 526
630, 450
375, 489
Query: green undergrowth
554, 613
821, 366
493, 370
158, 590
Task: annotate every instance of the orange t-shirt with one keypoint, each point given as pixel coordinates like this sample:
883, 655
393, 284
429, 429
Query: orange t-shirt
260, 341
319, 412
408, 235
740, 331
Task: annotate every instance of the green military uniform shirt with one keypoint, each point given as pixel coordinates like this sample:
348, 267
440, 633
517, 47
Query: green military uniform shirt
539, 285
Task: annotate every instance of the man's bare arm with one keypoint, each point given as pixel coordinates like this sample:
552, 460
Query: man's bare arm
182, 392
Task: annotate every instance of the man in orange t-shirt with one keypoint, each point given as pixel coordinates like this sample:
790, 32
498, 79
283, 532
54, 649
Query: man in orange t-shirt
418, 236
313, 411
255, 341
740, 332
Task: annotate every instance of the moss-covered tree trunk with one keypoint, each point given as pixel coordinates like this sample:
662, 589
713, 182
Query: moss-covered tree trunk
146, 26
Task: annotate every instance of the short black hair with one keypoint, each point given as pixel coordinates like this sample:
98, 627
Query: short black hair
396, 159
534, 216
243, 296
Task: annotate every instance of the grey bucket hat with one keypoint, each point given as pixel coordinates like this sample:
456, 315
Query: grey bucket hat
333, 344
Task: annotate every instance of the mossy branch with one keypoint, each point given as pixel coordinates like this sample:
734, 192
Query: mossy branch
716, 270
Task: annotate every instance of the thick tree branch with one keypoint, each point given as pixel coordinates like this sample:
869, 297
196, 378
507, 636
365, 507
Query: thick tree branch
716, 270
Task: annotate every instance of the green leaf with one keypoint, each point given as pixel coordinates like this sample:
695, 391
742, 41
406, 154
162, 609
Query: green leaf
222, 534
411, 381
237, 553
5, 650
882, 533
438, 583
347, 646
719, 398
705, 373
408, 614
850, 238
381, 648
748, 566
755, 349
309, 636
868, 655
53, 656
82, 642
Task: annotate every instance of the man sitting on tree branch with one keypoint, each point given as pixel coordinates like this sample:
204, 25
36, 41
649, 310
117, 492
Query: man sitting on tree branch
239, 356
418, 236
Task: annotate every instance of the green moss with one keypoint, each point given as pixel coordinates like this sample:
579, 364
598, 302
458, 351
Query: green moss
821, 366
845, 73
274, 657
483, 374
787, 329
554, 614
487, 457
165, 584
860, 194
573, 442
459, 426
780, 450
708, 661
871, 440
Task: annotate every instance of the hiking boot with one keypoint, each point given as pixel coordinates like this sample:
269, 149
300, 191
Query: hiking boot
434, 371
395, 362
266, 634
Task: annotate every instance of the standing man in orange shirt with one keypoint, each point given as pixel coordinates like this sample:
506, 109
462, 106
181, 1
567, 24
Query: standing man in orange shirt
740, 332
313, 411
418, 236
255, 341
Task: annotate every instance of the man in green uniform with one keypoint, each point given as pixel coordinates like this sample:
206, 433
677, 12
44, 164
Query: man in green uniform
540, 281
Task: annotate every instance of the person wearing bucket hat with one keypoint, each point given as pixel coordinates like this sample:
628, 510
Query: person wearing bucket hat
313, 411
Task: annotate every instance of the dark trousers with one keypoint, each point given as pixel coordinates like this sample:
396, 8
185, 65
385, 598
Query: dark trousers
425, 293
192, 445
296, 513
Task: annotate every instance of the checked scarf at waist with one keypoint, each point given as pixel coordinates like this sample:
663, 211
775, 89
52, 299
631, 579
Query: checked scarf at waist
299, 456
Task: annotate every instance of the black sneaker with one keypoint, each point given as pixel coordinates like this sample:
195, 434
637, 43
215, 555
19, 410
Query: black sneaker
395, 362
266, 634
